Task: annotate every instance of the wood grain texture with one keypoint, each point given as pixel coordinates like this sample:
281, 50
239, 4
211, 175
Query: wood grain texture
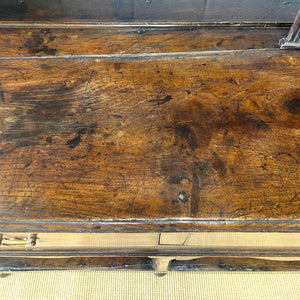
211, 136
63, 42
149, 11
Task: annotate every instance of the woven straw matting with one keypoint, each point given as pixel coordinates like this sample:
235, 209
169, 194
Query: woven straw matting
144, 285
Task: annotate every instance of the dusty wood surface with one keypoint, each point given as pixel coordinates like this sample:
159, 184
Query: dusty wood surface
206, 137
63, 42
149, 11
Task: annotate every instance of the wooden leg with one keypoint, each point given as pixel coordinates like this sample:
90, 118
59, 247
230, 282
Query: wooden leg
161, 265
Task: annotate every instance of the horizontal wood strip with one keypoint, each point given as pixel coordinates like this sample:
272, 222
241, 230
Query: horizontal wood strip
152, 225
63, 42
204, 137
180, 253
144, 263
149, 11
203, 240
77, 263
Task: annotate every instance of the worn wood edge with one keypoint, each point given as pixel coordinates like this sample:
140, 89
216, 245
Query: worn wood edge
10, 264
94, 25
149, 55
144, 225
37, 42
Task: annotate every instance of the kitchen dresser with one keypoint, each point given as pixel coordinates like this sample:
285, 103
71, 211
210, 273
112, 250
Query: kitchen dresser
144, 134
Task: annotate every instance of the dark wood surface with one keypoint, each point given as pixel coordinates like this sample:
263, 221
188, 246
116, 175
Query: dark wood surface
209, 136
279, 11
63, 42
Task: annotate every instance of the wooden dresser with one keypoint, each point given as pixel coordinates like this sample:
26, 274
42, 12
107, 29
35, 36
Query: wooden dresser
135, 133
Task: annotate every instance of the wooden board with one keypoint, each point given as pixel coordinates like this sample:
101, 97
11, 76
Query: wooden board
149, 11
186, 141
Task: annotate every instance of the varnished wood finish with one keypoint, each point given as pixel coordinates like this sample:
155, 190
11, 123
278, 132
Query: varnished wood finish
209, 136
149, 11
62, 42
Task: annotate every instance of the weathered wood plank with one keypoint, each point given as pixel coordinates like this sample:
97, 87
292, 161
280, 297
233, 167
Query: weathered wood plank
208, 137
149, 11
61, 42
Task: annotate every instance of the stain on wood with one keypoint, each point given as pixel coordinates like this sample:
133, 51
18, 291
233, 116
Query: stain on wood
293, 105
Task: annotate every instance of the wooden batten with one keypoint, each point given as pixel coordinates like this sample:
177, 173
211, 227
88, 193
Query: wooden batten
165, 241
